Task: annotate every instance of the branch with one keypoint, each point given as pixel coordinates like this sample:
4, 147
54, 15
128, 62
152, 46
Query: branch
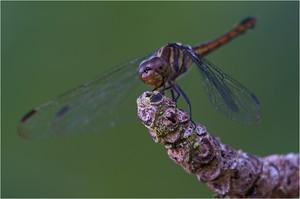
228, 172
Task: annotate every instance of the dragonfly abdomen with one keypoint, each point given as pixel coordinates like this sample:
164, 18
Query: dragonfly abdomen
208, 47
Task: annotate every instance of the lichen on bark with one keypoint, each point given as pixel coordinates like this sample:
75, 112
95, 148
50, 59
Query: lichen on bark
227, 172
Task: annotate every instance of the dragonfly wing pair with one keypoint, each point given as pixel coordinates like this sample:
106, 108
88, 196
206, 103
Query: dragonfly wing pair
89, 108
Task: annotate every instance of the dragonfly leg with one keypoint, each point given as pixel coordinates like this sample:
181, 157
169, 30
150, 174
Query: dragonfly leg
179, 92
173, 94
162, 91
165, 88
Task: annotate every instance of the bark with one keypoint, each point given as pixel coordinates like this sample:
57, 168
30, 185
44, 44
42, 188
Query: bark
227, 172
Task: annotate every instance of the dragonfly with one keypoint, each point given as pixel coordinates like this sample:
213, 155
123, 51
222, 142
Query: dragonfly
108, 99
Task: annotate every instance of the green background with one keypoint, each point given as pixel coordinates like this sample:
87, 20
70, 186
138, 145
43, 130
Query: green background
50, 47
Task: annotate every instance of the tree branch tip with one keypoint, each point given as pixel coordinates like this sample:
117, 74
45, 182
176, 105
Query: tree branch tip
228, 172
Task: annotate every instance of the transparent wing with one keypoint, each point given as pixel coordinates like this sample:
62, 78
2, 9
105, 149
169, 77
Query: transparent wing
227, 95
105, 101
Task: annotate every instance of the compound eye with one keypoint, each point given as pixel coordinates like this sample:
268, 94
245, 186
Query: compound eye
151, 66
147, 69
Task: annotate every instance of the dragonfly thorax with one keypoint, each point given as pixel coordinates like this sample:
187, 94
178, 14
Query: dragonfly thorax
154, 71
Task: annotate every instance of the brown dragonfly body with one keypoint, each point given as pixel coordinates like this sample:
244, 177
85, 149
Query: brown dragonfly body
171, 60
93, 105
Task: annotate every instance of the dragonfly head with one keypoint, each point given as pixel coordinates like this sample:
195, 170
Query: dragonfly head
154, 72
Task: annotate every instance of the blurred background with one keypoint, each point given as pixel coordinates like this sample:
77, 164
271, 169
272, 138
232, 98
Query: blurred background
51, 47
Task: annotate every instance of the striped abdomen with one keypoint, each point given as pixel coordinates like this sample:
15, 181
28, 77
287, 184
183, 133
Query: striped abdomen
206, 48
